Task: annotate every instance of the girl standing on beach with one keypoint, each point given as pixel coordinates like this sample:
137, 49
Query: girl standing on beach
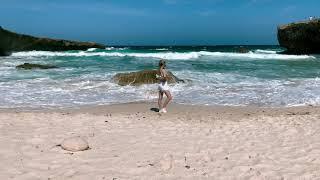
163, 87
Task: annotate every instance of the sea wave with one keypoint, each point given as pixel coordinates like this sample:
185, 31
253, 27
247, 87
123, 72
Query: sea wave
252, 55
113, 48
169, 55
91, 49
206, 88
265, 51
165, 55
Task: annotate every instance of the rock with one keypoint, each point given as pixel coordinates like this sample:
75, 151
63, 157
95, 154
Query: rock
4, 53
35, 66
12, 42
142, 77
300, 37
242, 50
75, 144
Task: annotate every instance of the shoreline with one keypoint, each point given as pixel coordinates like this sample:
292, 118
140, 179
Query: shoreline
152, 107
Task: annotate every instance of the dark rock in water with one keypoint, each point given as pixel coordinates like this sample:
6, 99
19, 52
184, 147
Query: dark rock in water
13, 42
300, 37
142, 77
242, 50
35, 66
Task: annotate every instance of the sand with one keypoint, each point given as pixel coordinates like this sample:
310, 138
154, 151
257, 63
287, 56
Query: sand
130, 141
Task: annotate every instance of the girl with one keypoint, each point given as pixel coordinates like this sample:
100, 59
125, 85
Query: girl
163, 87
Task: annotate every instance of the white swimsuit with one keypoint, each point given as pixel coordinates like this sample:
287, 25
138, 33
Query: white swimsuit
163, 86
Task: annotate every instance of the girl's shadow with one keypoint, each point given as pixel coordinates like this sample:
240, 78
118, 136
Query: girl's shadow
154, 109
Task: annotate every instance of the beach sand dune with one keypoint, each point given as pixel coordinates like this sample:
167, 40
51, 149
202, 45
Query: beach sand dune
130, 141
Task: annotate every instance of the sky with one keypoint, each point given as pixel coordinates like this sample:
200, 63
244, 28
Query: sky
156, 22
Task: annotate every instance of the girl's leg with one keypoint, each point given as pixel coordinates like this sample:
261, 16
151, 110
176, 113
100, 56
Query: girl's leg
169, 98
160, 100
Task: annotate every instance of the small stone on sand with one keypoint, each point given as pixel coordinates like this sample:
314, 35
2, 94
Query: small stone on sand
75, 144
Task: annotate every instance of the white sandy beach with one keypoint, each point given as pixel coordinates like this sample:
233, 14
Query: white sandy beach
130, 141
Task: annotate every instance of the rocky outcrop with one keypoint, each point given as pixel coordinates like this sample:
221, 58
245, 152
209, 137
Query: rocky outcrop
35, 66
13, 42
142, 77
301, 37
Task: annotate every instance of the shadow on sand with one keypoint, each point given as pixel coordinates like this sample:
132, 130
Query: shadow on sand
154, 109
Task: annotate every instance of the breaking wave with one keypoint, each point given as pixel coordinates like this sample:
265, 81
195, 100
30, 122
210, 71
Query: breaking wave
258, 54
265, 51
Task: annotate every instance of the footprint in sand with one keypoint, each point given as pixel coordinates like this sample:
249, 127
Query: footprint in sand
166, 163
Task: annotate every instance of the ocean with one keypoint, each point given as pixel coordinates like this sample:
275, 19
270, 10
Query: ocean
218, 76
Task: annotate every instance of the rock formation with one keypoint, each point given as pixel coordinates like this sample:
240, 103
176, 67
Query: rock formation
300, 37
35, 66
142, 77
13, 42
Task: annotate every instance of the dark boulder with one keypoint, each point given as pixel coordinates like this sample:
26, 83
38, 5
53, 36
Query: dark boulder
4, 53
35, 66
13, 42
300, 37
142, 77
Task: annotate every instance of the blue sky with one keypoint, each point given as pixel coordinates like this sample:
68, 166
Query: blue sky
156, 22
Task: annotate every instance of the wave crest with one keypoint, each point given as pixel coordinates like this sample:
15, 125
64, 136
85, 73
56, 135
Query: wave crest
265, 51
167, 55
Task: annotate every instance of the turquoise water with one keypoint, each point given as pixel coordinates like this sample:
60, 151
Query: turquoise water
219, 76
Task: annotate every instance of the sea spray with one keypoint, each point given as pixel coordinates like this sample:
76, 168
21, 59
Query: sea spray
165, 55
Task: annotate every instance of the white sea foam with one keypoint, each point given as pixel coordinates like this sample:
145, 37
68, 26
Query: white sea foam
71, 54
165, 55
78, 87
265, 51
125, 48
252, 55
109, 48
91, 49
171, 55
113, 48
205, 88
